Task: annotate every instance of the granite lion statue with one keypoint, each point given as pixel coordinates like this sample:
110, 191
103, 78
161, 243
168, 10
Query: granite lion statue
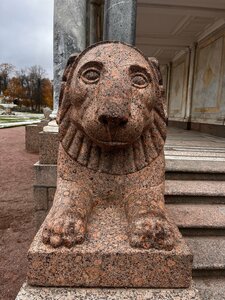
112, 128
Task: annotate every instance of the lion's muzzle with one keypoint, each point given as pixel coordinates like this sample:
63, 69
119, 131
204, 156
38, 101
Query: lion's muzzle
114, 116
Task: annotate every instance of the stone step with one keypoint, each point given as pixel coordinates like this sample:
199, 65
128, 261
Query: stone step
198, 219
209, 255
28, 292
191, 191
210, 288
183, 169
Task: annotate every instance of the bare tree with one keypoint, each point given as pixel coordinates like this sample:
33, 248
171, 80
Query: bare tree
5, 71
35, 78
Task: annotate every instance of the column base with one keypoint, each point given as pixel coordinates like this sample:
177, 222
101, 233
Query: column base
51, 127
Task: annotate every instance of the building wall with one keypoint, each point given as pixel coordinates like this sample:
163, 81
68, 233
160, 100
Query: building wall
208, 100
178, 88
207, 94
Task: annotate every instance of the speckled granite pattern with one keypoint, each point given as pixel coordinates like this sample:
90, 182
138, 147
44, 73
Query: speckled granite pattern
198, 215
49, 145
211, 288
32, 137
39, 293
112, 130
195, 188
105, 259
209, 252
108, 226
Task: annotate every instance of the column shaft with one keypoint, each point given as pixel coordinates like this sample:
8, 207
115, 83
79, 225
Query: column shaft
69, 37
120, 21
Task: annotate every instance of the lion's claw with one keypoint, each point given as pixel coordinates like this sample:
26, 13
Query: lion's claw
64, 231
151, 232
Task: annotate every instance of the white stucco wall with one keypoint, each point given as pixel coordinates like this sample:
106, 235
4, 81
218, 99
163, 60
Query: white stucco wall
178, 88
208, 100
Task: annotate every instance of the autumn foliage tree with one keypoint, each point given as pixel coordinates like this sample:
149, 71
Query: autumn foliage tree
32, 88
15, 89
47, 92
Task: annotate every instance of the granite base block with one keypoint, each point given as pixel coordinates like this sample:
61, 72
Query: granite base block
45, 174
40, 197
106, 259
49, 144
40, 216
32, 137
41, 293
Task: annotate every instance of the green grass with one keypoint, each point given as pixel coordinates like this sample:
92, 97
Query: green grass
10, 120
19, 119
14, 119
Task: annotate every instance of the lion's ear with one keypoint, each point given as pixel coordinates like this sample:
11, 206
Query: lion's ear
155, 64
63, 105
154, 61
161, 103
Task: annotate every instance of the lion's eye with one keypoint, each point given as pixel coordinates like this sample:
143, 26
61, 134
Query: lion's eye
91, 76
139, 80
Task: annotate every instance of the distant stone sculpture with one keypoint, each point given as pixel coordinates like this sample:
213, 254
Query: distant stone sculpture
112, 126
47, 112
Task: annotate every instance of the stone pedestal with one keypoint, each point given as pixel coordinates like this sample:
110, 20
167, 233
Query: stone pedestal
32, 138
39, 293
44, 190
106, 259
45, 171
49, 145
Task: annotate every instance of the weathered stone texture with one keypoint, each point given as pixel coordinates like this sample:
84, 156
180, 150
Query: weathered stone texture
120, 21
49, 145
43, 199
46, 174
40, 216
108, 225
40, 198
51, 194
120, 132
69, 37
106, 259
32, 138
39, 293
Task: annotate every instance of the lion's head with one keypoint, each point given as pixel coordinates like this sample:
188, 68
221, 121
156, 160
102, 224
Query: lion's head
112, 108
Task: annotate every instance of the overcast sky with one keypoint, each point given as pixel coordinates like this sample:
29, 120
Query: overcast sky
26, 33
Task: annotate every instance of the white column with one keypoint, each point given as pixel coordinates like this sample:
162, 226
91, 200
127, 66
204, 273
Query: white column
192, 55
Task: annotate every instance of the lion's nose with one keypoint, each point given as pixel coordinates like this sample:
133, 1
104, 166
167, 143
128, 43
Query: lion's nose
113, 121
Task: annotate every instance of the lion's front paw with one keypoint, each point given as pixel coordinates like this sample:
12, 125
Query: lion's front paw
64, 230
151, 232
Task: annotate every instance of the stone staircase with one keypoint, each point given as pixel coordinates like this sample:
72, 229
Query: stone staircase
195, 199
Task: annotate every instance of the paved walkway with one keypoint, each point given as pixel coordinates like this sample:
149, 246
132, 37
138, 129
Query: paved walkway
16, 209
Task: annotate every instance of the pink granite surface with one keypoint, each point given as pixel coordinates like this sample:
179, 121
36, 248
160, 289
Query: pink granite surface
112, 130
106, 259
42, 293
108, 225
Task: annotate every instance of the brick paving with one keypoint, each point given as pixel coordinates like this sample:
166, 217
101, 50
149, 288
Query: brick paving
16, 209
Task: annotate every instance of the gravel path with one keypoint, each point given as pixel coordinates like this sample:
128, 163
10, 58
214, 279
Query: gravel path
16, 209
